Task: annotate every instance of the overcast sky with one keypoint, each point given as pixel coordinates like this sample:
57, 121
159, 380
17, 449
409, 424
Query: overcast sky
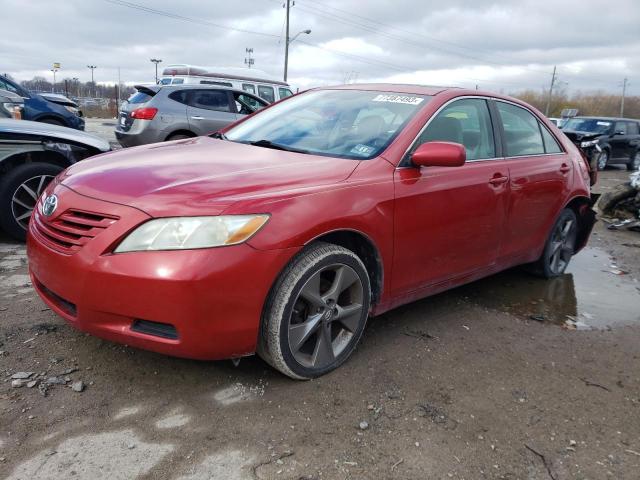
500, 45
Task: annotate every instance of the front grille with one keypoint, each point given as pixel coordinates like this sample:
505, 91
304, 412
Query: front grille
69, 232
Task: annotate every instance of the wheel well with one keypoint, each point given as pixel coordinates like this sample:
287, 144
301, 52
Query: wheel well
366, 250
53, 158
180, 132
581, 206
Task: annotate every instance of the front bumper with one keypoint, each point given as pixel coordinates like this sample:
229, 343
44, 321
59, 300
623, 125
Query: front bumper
213, 298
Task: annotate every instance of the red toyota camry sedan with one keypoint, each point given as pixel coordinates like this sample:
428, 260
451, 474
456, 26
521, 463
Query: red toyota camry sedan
281, 234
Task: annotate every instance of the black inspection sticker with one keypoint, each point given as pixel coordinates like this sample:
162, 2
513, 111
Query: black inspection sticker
406, 99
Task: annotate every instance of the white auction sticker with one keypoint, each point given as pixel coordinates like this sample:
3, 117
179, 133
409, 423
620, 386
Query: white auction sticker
398, 99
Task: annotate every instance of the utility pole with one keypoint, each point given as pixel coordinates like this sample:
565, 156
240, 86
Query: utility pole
286, 42
248, 61
553, 81
93, 84
624, 90
156, 61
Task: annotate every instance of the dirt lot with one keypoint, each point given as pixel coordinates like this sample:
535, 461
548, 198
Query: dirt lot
491, 380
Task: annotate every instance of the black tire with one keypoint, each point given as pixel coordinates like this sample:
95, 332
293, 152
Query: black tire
602, 160
559, 247
178, 136
634, 163
53, 121
288, 311
34, 176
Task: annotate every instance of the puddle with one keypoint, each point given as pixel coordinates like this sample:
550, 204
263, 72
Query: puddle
588, 295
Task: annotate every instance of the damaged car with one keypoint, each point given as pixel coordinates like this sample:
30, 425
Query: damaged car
606, 141
284, 232
31, 155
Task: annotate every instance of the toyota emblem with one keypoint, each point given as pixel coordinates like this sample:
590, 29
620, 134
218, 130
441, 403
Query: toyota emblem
49, 206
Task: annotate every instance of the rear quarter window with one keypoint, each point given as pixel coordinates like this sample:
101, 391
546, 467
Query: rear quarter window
267, 93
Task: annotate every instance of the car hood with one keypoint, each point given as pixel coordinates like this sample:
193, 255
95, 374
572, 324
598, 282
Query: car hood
578, 136
199, 176
21, 129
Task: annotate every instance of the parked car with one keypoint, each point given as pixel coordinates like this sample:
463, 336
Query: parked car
157, 113
606, 140
31, 154
40, 109
11, 105
282, 233
253, 81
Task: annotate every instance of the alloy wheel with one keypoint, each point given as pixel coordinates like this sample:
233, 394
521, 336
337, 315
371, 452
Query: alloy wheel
562, 246
26, 196
603, 159
326, 315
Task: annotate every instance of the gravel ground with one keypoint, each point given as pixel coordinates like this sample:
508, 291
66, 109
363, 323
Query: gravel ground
460, 385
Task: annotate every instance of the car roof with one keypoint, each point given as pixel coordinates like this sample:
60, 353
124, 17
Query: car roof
187, 86
592, 117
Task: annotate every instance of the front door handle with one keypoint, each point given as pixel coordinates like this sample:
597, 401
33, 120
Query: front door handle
498, 179
197, 117
564, 168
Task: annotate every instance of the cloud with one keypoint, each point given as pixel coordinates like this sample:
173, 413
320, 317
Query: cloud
500, 45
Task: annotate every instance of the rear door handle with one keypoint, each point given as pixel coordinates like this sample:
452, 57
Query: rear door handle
565, 168
197, 117
498, 179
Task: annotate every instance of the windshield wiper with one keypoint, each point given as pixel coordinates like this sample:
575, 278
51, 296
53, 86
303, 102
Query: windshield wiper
276, 146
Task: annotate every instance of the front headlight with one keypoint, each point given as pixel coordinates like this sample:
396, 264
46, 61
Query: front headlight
73, 110
589, 143
181, 233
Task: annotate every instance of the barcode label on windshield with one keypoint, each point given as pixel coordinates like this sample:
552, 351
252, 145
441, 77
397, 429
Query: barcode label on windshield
398, 99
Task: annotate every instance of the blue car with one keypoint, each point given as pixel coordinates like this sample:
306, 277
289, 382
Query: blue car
56, 111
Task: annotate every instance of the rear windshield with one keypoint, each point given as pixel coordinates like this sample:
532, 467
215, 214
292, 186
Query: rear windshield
139, 97
339, 123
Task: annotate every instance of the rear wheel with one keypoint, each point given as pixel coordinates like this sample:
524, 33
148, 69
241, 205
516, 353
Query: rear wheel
603, 159
20, 189
316, 313
560, 246
634, 163
178, 136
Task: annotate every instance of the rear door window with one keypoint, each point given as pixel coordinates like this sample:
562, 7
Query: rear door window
247, 87
180, 96
267, 93
217, 100
521, 130
632, 128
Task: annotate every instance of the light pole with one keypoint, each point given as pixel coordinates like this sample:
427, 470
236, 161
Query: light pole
156, 61
93, 84
56, 66
286, 48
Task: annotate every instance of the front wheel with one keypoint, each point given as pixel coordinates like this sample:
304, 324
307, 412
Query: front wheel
316, 312
559, 247
603, 159
20, 189
634, 163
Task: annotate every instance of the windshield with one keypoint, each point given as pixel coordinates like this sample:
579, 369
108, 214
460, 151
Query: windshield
340, 123
587, 125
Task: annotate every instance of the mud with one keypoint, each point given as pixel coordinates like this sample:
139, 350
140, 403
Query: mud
463, 385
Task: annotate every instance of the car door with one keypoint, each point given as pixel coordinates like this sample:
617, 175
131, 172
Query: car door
449, 220
620, 141
208, 110
539, 171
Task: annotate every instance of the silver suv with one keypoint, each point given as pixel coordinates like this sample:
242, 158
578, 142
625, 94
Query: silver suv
161, 112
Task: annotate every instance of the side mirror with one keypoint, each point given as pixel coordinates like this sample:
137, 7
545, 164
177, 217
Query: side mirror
439, 154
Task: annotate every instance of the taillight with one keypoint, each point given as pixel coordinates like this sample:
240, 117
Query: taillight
146, 113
